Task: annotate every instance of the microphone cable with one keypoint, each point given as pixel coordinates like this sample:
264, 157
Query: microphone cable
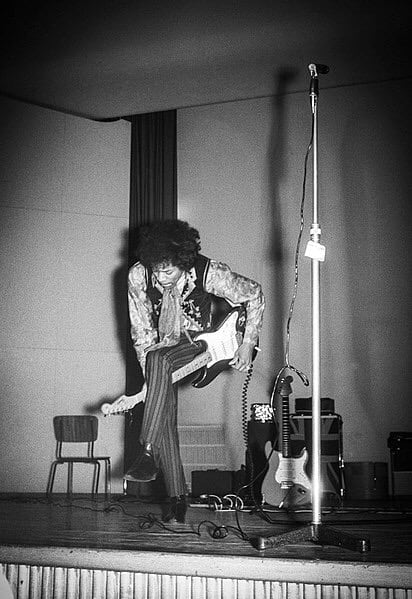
287, 365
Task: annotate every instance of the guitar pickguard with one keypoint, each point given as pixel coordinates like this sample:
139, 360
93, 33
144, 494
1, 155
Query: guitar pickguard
222, 345
286, 483
292, 471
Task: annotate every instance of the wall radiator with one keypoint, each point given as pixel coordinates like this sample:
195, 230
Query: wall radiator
202, 447
44, 582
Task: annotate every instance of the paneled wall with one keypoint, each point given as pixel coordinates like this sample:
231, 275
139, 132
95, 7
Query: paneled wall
240, 176
63, 217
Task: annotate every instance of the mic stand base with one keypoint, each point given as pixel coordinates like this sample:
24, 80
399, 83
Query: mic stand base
317, 533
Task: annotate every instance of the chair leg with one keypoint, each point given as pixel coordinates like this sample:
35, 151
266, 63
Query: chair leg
96, 477
108, 480
52, 475
95, 482
69, 479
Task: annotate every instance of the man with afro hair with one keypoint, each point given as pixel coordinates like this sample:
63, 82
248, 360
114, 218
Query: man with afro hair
170, 292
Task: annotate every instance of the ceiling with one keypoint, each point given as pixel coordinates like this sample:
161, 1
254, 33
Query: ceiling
110, 59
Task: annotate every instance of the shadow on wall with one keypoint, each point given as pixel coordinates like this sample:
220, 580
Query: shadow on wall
277, 173
133, 376
133, 373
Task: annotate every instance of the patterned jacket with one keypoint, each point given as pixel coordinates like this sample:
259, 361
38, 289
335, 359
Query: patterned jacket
206, 277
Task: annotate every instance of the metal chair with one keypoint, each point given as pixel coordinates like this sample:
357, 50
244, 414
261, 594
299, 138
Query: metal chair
80, 430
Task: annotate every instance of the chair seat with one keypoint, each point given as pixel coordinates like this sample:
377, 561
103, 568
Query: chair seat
62, 460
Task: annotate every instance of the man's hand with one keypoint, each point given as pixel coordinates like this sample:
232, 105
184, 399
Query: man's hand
243, 357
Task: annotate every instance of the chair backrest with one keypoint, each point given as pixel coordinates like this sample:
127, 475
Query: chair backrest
76, 429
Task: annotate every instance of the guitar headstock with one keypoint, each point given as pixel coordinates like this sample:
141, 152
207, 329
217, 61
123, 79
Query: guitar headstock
284, 386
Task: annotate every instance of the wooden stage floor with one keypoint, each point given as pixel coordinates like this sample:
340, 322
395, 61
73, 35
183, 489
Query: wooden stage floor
83, 532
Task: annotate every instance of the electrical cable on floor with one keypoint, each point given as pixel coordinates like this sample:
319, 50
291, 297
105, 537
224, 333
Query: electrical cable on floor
219, 531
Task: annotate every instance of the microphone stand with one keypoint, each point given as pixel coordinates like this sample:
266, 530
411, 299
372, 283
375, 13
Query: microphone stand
316, 531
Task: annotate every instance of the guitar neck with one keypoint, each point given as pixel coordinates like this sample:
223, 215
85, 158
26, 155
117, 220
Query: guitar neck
195, 364
286, 446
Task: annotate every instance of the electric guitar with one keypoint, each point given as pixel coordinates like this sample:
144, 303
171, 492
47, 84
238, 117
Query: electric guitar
219, 347
286, 483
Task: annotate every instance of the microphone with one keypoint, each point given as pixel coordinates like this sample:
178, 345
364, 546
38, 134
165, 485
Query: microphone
314, 70
318, 69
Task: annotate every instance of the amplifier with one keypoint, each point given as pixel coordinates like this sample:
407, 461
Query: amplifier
400, 446
332, 472
366, 480
303, 405
259, 432
212, 482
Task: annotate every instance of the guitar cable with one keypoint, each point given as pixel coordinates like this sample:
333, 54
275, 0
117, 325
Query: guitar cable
249, 458
245, 388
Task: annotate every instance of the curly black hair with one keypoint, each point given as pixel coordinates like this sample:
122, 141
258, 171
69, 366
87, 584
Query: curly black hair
168, 241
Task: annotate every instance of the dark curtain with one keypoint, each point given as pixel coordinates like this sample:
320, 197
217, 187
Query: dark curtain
153, 192
153, 196
153, 173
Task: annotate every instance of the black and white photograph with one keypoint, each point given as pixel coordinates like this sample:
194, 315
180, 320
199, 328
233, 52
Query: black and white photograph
205, 266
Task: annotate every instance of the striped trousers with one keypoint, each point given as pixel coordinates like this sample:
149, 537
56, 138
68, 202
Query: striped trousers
159, 425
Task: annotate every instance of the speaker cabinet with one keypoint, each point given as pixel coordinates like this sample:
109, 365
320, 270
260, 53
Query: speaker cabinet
259, 433
366, 480
332, 473
400, 446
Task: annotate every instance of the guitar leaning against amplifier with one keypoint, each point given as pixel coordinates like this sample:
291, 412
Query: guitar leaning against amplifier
286, 483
